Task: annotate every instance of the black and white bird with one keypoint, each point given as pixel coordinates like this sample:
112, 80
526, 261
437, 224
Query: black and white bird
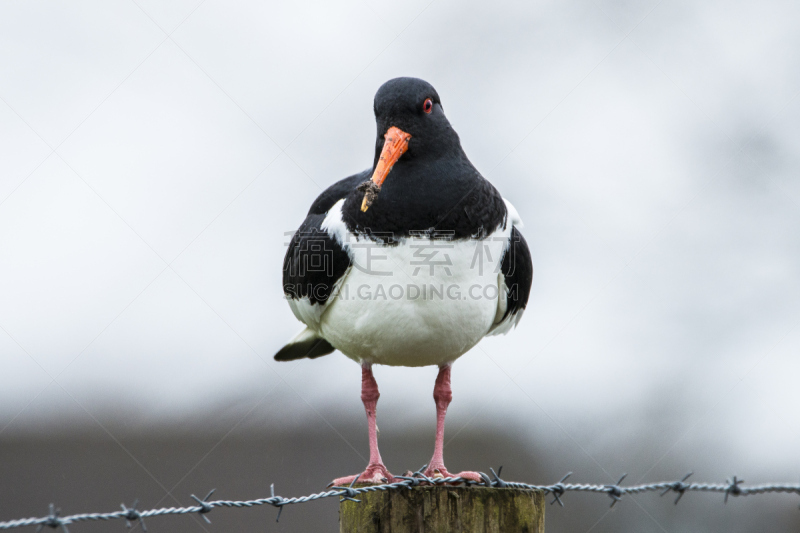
408, 263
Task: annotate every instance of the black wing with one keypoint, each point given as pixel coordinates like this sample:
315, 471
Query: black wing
313, 265
315, 261
517, 271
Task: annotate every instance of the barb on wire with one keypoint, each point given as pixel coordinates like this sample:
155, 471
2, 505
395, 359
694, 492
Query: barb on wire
558, 490
679, 487
350, 493
278, 501
53, 520
205, 507
615, 492
497, 481
733, 488
132, 514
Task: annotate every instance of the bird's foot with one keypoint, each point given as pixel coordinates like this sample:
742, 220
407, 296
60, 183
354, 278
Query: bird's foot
375, 474
434, 471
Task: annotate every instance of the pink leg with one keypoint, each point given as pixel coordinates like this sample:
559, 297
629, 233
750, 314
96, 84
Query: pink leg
442, 395
376, 472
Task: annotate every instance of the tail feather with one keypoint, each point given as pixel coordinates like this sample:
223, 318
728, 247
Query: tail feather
306, 344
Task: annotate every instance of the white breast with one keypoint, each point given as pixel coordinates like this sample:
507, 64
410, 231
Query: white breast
421, 302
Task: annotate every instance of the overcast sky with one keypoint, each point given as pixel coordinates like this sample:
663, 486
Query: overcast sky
154, 156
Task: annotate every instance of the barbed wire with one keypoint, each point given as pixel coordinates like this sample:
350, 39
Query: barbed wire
731, 487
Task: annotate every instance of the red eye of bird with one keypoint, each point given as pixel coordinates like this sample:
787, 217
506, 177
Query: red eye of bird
428, 105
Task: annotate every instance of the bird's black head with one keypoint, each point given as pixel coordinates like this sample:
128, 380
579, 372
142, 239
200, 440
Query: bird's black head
422, 181
413, 106
412, 131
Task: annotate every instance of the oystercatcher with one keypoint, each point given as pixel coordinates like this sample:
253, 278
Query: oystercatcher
408, 263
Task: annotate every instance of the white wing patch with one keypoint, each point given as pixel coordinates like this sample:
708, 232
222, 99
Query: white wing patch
513, 216
335, 226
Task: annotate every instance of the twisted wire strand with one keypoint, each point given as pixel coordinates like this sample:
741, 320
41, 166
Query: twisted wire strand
732, 487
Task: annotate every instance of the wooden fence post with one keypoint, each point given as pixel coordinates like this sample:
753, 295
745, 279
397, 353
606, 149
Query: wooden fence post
443, 509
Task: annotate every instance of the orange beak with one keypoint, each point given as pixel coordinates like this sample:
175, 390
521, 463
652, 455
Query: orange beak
395, 145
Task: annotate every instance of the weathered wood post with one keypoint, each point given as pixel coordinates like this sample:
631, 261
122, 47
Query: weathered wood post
444, 509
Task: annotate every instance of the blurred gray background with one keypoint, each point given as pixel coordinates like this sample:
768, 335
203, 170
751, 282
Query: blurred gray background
154, 155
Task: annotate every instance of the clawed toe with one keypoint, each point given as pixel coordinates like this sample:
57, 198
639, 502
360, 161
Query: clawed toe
470, 475
442, 472
373, 475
